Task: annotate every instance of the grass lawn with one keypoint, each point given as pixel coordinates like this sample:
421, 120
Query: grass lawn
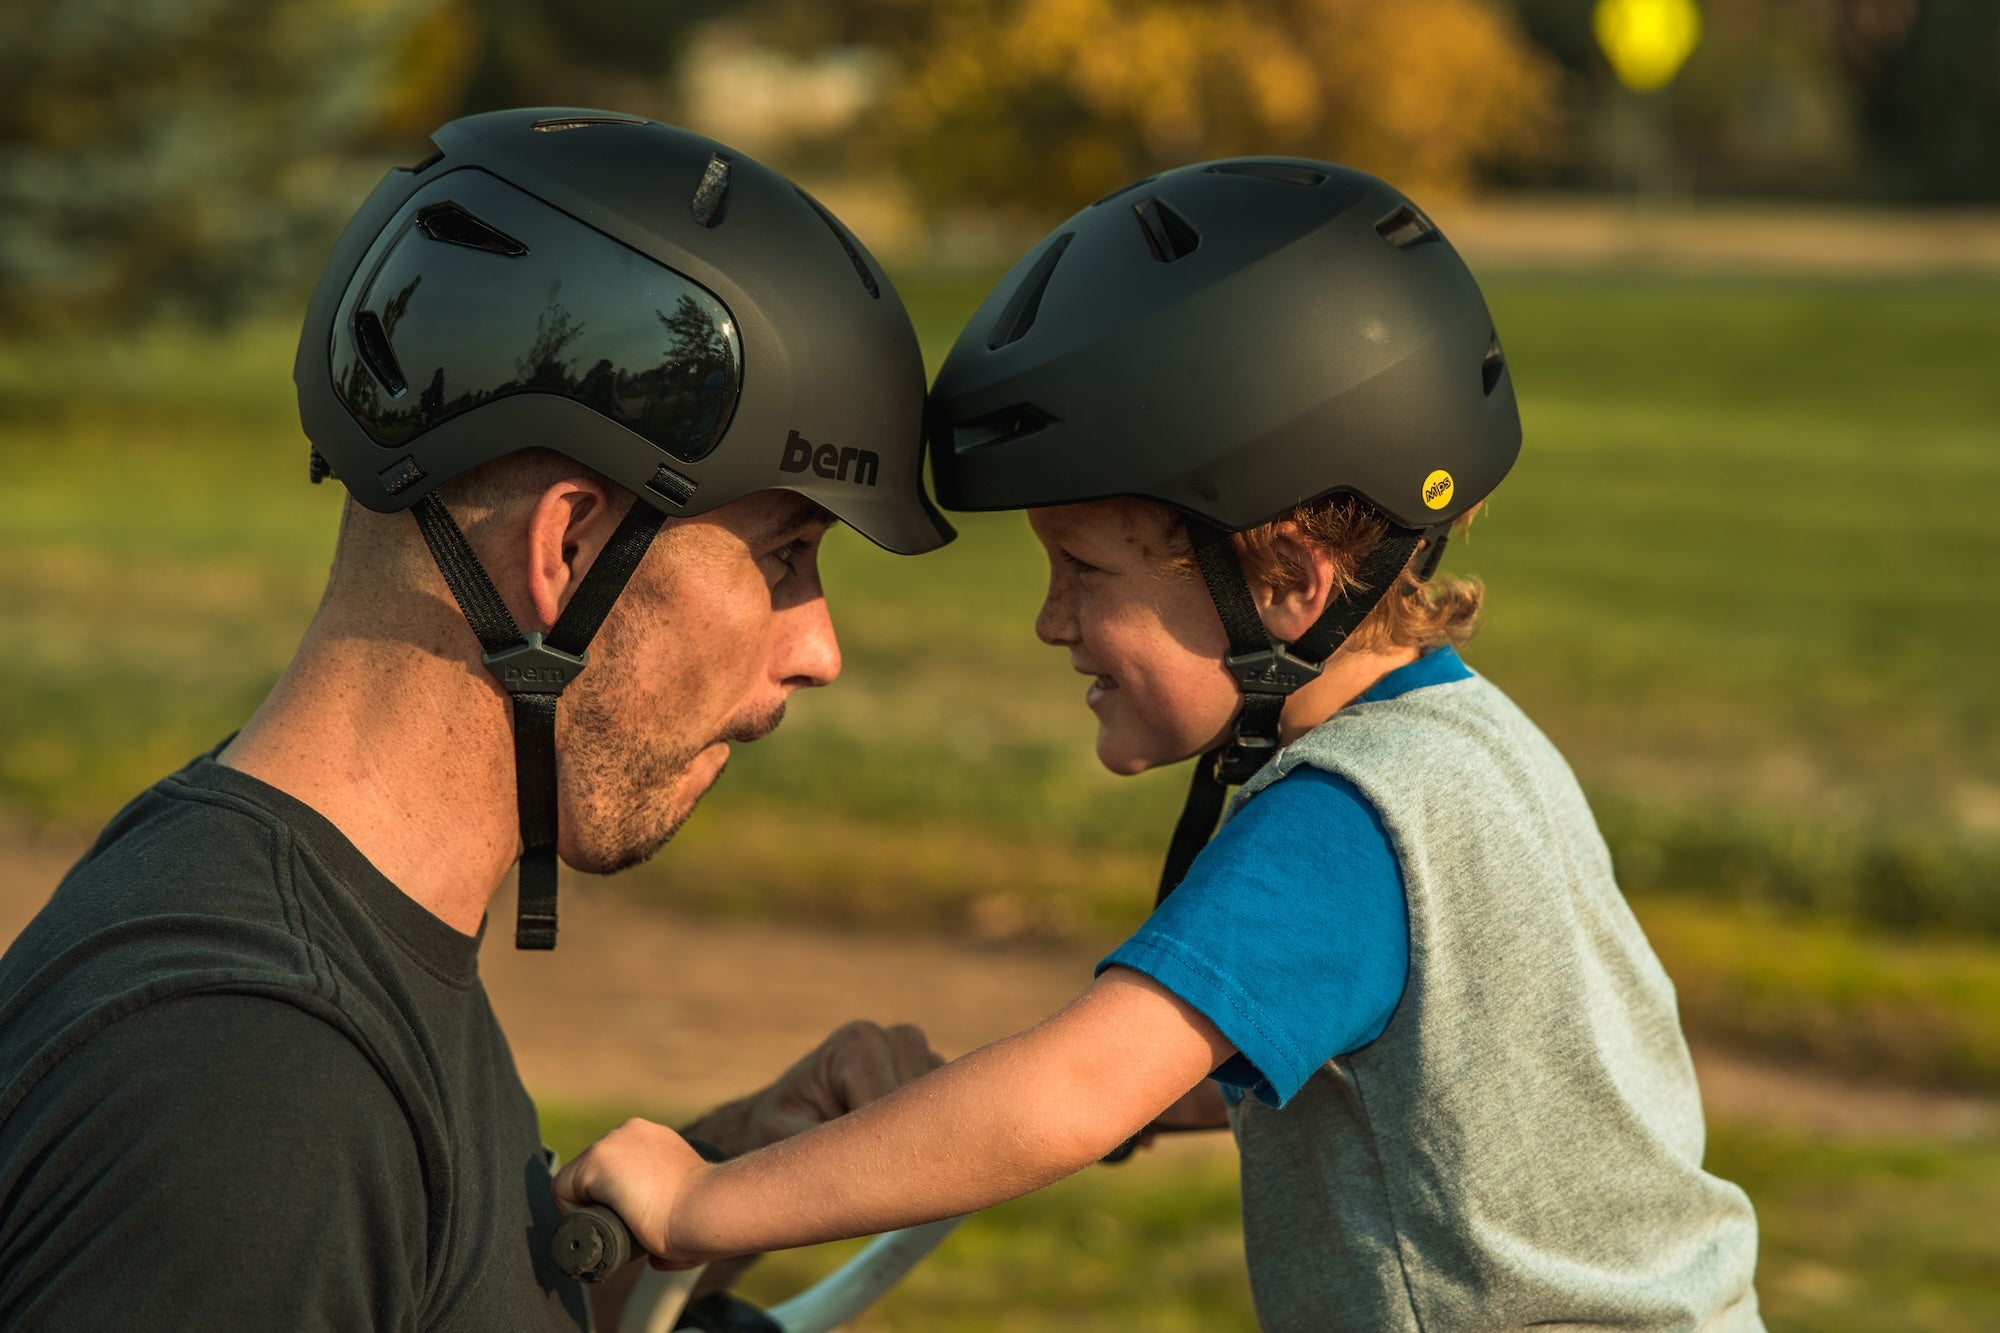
1860, 1238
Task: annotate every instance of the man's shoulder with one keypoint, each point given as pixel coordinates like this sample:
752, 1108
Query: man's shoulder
185, 892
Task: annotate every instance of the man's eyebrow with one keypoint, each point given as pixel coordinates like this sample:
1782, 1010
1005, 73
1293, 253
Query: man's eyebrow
803, 513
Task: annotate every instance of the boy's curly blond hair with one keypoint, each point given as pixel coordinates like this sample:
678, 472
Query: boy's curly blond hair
1443, 611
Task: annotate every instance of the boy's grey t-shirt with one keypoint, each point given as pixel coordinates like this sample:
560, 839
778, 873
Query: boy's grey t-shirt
1522, 1145
246, 1082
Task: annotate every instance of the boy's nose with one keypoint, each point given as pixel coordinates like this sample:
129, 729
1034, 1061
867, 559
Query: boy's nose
1055, 623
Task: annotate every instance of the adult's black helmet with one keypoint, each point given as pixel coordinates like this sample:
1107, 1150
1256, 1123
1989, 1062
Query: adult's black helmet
643, 299
1233, 339
652, 304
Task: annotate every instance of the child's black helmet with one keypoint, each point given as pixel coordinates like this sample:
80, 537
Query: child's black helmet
1234, 339
656, 306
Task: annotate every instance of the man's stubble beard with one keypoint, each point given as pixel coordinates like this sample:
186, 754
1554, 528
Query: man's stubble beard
626, 793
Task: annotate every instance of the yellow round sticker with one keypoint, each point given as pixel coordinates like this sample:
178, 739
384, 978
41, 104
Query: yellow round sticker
1437, 489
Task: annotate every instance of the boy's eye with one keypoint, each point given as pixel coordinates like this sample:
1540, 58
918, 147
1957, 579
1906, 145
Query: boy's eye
1080, 566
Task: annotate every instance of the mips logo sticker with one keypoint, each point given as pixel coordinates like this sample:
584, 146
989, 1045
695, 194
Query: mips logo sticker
1437, 489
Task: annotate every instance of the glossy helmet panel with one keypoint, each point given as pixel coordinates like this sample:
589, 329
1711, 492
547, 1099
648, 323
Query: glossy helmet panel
1231, 338
645, 300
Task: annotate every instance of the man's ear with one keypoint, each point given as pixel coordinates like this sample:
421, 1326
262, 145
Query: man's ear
567, 529
1290, 609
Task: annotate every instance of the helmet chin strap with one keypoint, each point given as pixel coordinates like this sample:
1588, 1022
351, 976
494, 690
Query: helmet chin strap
534, 669
1268, 671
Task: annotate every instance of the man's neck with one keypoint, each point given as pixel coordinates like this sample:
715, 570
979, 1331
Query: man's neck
406, 748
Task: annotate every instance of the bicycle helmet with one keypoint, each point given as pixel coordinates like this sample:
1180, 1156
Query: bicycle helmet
644, 300
1234, 339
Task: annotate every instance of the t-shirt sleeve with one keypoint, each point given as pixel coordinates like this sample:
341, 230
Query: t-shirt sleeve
1290, 933
218, 1161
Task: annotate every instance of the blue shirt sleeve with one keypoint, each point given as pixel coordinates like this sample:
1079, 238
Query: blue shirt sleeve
1290, 933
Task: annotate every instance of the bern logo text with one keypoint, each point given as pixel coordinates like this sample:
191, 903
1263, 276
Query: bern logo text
856, 465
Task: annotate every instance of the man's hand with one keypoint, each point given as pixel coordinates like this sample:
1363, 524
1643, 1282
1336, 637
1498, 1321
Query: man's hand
860, 1062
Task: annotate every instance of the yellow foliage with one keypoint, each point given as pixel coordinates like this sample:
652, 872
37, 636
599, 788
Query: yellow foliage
1051, 102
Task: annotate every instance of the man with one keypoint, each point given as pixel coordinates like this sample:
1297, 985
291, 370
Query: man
624, 380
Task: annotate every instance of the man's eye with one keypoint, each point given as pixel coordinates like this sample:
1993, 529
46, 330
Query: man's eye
1080, 566
790, 554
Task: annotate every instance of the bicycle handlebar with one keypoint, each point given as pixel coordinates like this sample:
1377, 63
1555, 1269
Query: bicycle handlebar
593, 1242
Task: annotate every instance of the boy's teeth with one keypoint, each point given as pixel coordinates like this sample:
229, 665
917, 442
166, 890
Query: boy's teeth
1104, 682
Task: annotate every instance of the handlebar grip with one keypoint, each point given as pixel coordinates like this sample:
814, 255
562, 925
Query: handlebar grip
592, 1243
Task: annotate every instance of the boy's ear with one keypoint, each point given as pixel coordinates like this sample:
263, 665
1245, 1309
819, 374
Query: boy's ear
1307, 585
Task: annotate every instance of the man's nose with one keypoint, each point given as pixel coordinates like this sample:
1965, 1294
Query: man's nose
809, 648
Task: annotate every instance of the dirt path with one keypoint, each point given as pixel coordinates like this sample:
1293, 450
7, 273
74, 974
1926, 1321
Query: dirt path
652, 1010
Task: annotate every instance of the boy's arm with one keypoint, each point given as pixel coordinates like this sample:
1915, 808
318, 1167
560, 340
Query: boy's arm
1007, 1119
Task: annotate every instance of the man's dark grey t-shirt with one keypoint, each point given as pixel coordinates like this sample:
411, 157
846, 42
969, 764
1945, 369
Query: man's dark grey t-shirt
245, 1082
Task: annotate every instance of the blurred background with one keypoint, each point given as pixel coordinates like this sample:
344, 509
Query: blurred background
1746, 258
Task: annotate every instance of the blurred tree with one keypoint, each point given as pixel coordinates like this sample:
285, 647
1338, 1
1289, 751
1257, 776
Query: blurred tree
1038, 104
1934, 102
187, 154
601, 53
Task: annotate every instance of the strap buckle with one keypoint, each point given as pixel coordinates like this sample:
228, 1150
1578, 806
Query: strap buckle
532, 667
1273, 669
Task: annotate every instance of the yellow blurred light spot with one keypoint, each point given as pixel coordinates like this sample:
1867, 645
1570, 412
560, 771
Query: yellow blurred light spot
1647, 41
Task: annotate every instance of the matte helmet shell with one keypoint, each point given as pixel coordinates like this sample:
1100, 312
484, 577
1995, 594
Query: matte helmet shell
647, 301
1232, 339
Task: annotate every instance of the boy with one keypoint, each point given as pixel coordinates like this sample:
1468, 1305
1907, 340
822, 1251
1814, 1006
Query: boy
1451, 1061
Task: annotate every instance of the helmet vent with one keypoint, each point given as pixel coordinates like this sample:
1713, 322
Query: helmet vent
557, 124
1019, 315
451, 224
1124, 189
1406, 227
1285, 173
372, 341
1009, 423
1168, 234
1495, 364
711, 197
840, 234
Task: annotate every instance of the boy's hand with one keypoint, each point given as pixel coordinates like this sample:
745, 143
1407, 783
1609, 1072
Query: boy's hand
640, 1170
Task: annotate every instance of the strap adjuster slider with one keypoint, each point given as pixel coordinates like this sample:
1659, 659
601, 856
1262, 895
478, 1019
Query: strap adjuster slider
532, 667
1272, 670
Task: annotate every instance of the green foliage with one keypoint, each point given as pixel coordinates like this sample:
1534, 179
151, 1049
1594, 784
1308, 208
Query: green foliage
183, 154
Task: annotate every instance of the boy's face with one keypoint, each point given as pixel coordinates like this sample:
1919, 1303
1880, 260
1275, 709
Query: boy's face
1144, 631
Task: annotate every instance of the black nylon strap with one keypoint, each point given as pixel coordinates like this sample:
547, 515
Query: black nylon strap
535, 803
1196, 826
606, 578
1227, 588
465, 576
534, 670
1378, 574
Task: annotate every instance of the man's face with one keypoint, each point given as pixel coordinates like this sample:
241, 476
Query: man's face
1145, 633
723, 620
